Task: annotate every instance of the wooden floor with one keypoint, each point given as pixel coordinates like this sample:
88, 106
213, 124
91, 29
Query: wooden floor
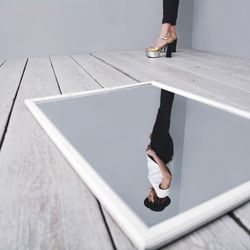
44, 205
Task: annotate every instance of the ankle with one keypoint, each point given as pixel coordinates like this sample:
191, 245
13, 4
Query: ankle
165, 29
173, 31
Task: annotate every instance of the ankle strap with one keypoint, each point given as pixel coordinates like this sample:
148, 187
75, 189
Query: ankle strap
164, 38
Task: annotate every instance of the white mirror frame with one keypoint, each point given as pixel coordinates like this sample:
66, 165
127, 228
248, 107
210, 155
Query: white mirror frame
141, 235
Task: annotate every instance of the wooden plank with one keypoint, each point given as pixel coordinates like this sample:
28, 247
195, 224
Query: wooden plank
10, 75
210, 71
238, 67
239, 71
142, 73
133, 63
203, 234
72, 77
224, 61
221, 85
103, 73
44, 205
223, 233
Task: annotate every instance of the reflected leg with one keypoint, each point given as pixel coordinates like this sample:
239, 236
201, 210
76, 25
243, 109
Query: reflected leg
161, 140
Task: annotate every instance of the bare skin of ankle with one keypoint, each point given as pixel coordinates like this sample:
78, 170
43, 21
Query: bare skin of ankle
173, 30
166, 30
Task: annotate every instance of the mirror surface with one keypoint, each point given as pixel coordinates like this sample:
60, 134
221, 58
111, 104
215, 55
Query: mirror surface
211, 147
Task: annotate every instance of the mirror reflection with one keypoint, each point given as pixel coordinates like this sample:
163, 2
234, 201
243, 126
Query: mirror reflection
162, 153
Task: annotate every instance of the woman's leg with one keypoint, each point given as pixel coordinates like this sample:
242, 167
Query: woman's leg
175, 13
161, 140
174, 18
165, 30
170, 12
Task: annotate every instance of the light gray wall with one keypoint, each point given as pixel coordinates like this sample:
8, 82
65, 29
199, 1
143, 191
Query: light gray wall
54, 27
222, 26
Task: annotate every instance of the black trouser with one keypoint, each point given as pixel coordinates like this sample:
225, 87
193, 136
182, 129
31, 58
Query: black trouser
161, 141
170, 11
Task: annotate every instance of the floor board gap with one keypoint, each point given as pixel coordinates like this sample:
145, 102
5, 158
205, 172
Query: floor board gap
126, 74
239, 222
12, 106
106, 224
86, 71
58, 85
3, 63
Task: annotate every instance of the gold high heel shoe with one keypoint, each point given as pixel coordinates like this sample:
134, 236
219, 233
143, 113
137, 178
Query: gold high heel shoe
173, 39
154, 52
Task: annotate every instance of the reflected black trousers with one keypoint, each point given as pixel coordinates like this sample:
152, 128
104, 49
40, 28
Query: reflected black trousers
170, 11
161, 140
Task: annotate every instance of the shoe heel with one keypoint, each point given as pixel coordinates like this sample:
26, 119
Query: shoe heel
174, 46
169, 50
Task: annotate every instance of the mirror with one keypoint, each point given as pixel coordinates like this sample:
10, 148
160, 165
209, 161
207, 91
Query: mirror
148, 144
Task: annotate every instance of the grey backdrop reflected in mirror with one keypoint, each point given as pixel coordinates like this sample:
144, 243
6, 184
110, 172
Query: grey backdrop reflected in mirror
111, 131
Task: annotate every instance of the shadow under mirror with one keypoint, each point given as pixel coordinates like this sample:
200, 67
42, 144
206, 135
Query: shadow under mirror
162, 153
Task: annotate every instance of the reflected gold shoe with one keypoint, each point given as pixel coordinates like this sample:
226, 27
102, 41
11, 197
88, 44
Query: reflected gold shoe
154, 52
